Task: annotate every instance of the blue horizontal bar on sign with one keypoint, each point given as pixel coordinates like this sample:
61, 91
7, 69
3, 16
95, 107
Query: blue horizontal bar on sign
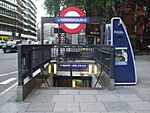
73, 65
81, 20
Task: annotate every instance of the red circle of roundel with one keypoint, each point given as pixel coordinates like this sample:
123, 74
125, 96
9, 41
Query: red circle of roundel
80, 27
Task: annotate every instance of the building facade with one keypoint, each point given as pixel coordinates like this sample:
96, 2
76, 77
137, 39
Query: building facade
17, 19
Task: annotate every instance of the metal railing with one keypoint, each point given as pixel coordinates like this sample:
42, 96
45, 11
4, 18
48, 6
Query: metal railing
32, 57
104, 56
86, 51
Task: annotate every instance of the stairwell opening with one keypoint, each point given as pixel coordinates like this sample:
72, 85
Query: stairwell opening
73, 74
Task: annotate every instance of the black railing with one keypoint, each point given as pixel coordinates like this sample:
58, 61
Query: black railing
86, 51
104, 56
32, 57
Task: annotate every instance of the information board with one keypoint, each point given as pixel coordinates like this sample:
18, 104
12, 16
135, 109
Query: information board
124, 66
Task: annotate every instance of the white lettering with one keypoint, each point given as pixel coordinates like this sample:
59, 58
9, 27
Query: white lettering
118, 32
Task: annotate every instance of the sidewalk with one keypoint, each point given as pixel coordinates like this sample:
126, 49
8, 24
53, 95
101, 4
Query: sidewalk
124, 99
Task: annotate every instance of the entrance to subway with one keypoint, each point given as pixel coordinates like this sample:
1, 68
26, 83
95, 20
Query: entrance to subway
75, 67
76, 81
72, 74
66, 71
69, 65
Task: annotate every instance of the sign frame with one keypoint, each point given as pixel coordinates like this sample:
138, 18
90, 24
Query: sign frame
77, 10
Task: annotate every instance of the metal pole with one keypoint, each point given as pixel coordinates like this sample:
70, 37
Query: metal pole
20, 70
59, 39
70, 74
42, 30
102, 32
42, 38
112, 60
14, 38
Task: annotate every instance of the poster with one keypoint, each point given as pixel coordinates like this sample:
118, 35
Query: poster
121, 56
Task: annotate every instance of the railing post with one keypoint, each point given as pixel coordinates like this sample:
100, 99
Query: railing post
112, 63
29, 63
112, 80
20, 91
20, 62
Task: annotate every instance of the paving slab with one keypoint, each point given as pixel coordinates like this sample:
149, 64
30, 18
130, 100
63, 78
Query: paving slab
86, 112
144, 97
85, 98
117, 106
67, 106
127, 90
92, 107
62, 98
14, 107
138, 111
40, 107
88, 92
144, 90
116, 112
69, 92
60, 112
128, 97
139, 106
107, 97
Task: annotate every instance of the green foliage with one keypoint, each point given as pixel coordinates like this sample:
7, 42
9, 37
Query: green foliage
98, 7
52, 6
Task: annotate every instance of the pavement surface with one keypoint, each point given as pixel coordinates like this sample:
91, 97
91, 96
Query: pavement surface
124, 99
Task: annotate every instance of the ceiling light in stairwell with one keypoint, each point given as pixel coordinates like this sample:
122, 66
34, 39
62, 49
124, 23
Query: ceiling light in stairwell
55, 68
90, 68
95, 69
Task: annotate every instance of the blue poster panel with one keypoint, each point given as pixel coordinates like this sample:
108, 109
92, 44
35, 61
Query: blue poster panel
124, 66
121, 56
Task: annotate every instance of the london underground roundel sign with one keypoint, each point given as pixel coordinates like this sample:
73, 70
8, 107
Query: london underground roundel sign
72, 12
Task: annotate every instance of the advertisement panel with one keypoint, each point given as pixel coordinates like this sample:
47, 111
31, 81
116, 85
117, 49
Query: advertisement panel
124, 66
